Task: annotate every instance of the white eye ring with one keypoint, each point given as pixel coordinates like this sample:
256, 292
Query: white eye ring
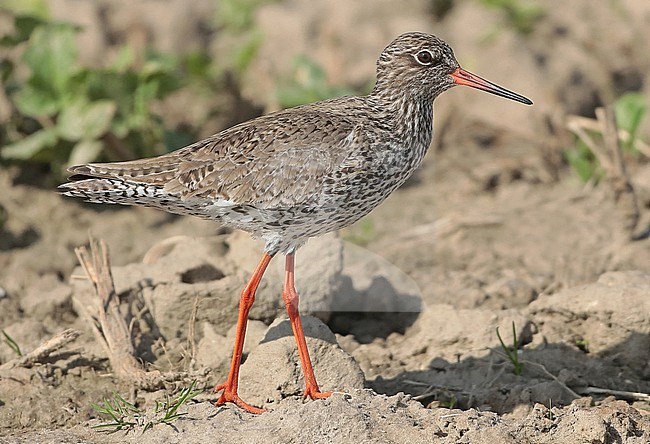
424, 57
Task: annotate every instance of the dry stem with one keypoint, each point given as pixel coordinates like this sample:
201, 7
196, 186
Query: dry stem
610, 156
109, 326
43, 351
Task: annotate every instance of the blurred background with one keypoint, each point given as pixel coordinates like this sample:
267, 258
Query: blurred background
109, 80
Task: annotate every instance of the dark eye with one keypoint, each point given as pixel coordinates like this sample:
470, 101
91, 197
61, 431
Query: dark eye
424, 57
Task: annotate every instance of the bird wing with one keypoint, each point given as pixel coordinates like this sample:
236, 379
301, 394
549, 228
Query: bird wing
275, 161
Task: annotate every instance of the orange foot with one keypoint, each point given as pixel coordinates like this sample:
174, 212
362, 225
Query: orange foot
315, 393
230, 395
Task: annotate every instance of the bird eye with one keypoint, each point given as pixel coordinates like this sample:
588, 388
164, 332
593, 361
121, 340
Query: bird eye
424, 57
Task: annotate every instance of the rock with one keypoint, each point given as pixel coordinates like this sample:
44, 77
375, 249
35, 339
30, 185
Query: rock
318, 273
610, 317
47, 297
549, 392
171, 305
375, 285
212, 348
272, 371
443, 331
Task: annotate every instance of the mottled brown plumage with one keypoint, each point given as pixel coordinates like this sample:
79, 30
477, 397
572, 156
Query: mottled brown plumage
297, 173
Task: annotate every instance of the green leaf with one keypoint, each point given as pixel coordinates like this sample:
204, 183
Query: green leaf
24, 25
51, 56
630, 110
36, 102
85, 151
6, 71
198, 64
583, 162
309, 84
31, 145
83, 120
173, 139
35, 8
124, 59
236, 15
245, 53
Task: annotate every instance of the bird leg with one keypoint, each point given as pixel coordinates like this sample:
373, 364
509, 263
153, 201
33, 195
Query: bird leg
290, 297
245, 303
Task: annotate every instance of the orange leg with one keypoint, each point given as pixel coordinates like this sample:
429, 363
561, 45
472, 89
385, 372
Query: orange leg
245, 303
290, 297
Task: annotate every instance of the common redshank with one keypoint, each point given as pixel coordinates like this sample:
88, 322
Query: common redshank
297, 173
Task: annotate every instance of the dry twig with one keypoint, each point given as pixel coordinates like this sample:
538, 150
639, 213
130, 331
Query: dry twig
43, 351
109, 326
610, 157
620, 394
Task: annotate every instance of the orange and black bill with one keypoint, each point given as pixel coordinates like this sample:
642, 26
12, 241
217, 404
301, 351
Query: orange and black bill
462, 77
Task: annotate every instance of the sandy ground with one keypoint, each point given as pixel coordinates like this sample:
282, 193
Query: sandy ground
402, 309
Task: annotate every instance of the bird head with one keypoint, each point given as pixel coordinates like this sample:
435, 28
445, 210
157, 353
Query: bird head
423, 65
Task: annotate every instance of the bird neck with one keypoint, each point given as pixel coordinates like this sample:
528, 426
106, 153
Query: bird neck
409, 115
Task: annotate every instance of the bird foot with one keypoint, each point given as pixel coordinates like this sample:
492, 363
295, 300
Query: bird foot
315, 393
230, 395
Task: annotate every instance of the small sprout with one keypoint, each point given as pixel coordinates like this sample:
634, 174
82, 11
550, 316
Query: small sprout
450, 403
12, 344
512, 353
171, 408
126, 416
120, 410
550, 414
582, 344
630, 110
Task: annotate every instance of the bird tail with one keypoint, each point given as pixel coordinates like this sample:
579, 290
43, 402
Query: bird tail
128, 183
111, 191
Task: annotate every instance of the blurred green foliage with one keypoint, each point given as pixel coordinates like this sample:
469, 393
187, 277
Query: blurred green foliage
630, 109
237, 19
583, 162
361, 233
308, 83
521, 15
65, 113
440, 8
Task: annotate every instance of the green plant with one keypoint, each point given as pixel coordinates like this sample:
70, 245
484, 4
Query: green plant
362, 233
630, 110
65, 113
170, 407
12, 344
237, 19
3, 217
126, 416
450, 402
308, 83
582, 344
583, 162
440, 8
520, 15
123, 414
550, 415
512, 353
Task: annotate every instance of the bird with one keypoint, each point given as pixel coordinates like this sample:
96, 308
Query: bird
297, 173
